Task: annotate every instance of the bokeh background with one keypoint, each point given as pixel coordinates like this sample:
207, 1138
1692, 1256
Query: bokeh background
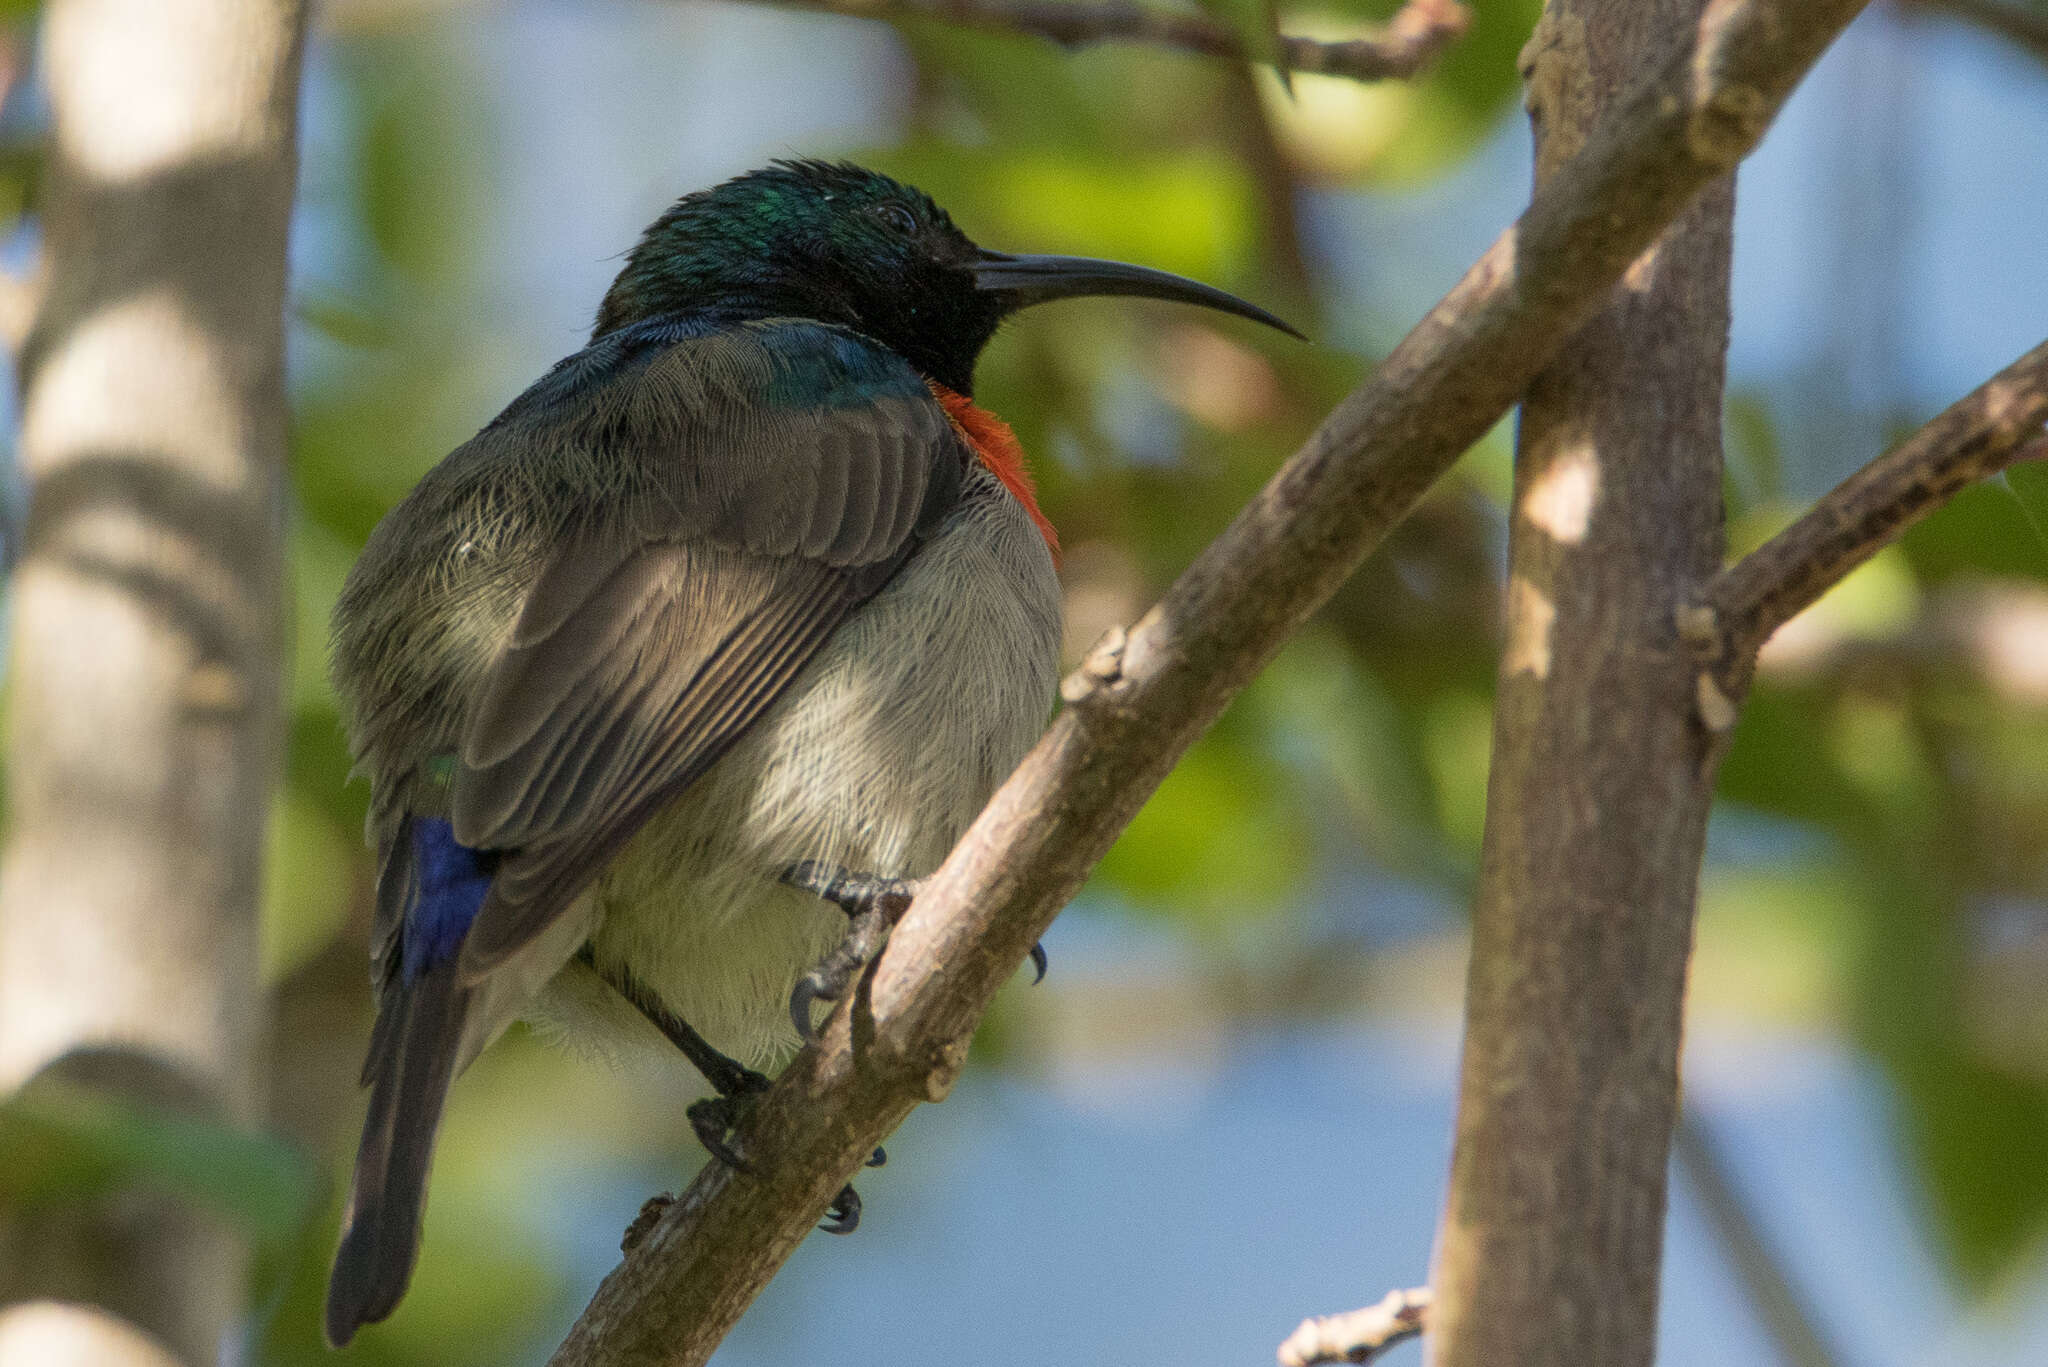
1230, 1104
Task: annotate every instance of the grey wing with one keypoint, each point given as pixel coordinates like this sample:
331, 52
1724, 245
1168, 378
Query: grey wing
640, 657
592, 728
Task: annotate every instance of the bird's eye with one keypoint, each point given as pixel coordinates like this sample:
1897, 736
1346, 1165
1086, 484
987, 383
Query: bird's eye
898, 218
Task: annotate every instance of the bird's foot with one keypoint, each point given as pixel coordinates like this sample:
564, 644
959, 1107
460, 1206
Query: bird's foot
715, 1118
854, 893
873, 905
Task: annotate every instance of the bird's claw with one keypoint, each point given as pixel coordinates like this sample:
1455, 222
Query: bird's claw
715, 1118
1038, 962
843, 1215
809, 988
873, 905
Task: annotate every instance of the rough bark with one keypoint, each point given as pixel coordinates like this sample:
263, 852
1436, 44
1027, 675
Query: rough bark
144, 716
1601, 781
1141, 699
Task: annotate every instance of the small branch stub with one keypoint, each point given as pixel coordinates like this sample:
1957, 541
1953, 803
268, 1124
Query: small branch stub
1358, 1335
651, 1211
1718, 712
1099, 668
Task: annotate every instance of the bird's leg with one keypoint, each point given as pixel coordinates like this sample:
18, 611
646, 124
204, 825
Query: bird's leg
873, 905
714, 1118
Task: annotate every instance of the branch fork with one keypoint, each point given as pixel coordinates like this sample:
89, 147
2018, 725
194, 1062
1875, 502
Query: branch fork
1997, 425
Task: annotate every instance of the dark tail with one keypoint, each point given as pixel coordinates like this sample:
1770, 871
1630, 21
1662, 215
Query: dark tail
412, 1061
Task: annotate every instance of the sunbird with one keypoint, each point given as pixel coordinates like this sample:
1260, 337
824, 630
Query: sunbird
718, 636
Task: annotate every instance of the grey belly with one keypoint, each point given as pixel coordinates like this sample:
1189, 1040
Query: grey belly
878, 757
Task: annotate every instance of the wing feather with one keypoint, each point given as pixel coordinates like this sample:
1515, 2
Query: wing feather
677, 721
655, 635
558, 645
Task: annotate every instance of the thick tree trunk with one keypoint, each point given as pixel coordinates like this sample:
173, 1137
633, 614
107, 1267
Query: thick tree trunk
1601, 781
144, 716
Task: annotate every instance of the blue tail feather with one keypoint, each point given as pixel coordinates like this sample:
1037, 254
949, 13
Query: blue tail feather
413, 1053
453, 881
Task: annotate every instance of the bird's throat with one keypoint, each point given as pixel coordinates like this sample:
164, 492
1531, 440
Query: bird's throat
996, 446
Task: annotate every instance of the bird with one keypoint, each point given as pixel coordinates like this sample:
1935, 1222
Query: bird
673, 680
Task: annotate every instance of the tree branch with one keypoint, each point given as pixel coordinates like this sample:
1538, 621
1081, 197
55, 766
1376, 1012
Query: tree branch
1142, 698
1357, 1335
1996, 425
1409, 42
2021, 27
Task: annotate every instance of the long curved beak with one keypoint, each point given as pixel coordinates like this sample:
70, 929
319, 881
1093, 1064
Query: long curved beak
1025, 280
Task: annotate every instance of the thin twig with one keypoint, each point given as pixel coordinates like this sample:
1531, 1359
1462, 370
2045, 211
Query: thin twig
1770, 1290
1357, 1335
2022, 27
1408, 43
1251, 128
1143, 697
1994, 426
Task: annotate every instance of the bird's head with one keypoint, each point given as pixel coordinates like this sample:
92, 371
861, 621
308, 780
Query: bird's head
844, 245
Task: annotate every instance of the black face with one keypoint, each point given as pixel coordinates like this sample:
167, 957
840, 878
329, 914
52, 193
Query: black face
845, 245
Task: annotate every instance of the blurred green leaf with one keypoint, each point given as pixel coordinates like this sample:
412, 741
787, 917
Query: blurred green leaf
2028, 485
317, 767
344, 319
1982, 1133
1756, 461
1338, 727
1778, 760
1985, 529
1776, 938
1257, 25
1978, 1131
407, 161
1219, 842
1191, 211
1457, 738
63, 1141
308, 882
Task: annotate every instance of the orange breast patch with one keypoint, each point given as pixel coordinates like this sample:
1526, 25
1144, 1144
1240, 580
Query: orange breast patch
992, 441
